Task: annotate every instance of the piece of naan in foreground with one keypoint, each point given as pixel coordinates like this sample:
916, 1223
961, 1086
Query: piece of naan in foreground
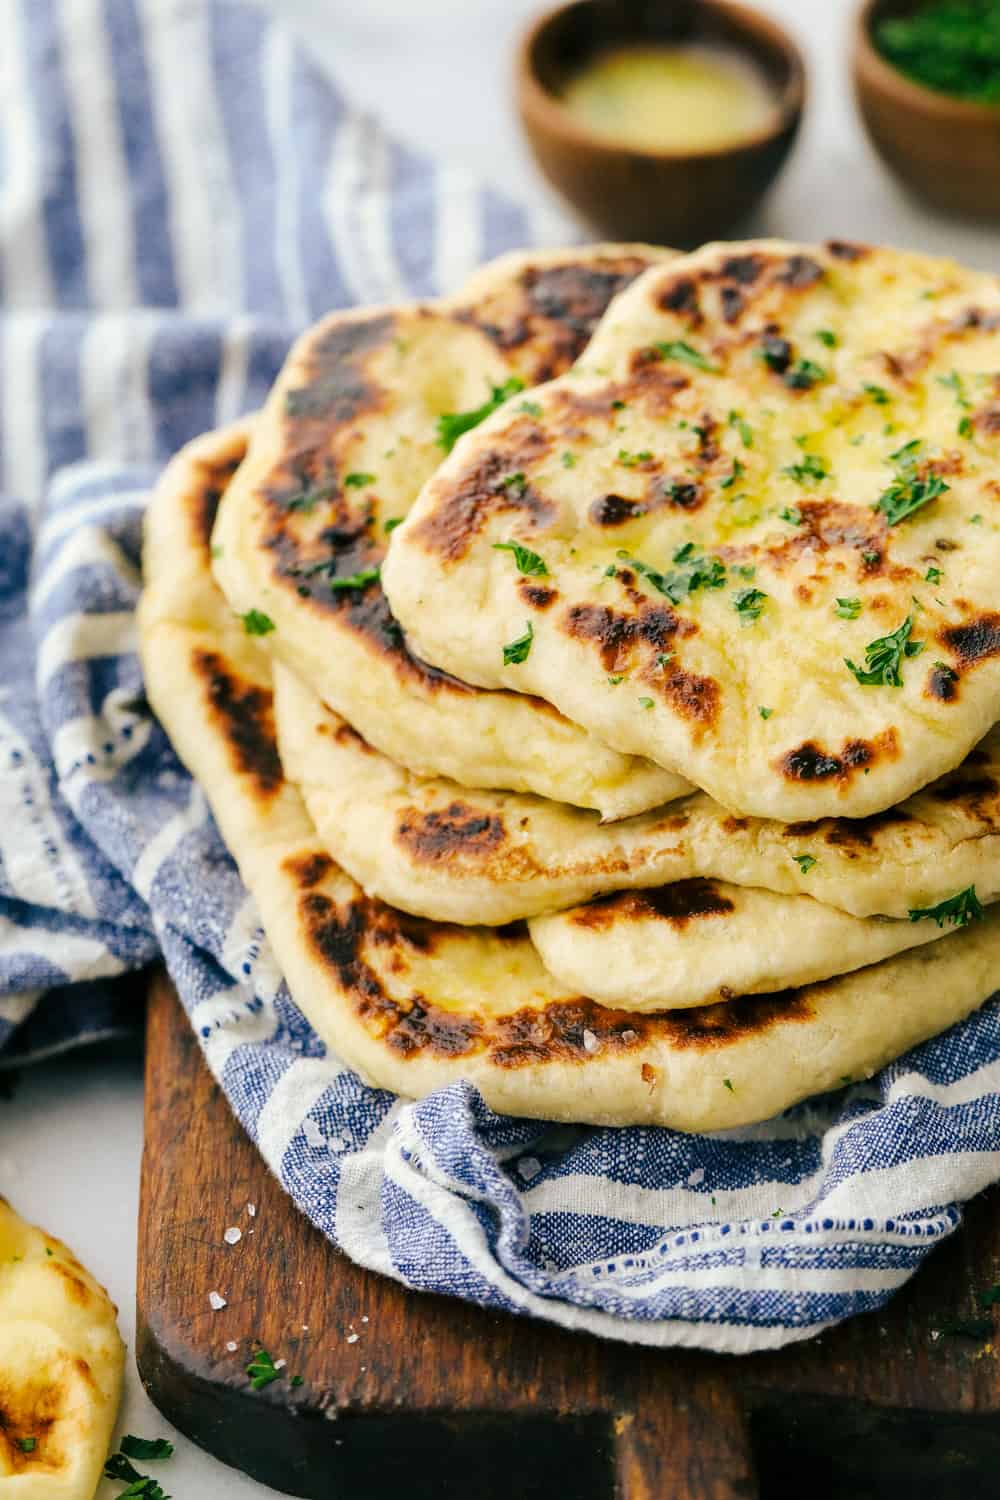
62, 1363
761, 518
347, 436
439, 850
413, 1004
699, 942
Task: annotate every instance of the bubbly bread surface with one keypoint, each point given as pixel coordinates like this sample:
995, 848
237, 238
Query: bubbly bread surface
359, 418
414, 1004
753, 535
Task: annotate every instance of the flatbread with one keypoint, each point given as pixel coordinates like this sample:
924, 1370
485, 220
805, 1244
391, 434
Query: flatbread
414, 1005
439, 850
698, 942
62, 1363
342, 447
757, 431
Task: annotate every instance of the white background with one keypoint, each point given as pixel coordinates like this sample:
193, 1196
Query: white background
438, 73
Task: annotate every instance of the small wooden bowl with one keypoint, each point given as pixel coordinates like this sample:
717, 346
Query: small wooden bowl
946, 150
678, 198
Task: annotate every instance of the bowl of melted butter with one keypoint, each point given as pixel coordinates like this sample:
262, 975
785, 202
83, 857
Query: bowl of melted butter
665, 120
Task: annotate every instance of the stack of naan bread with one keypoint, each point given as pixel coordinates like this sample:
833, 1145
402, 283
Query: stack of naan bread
594, 675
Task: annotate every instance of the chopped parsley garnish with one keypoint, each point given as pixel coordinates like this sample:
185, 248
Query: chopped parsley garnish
297, 1380
664, 658
746, 570
736, 472
847, 609
954, 383
392, 523
262, 1370
737, 420
765, 713
359, 580
516, 482
909, 491
616, 679
827, 336
631, 459
357, 481
810, 467
694, 572
975, 520
28, 1444
964, 428
517, 651
215, 552
884, 657
526, 561
749, 604
680, 350
948, 673
531, 407
958, 910
645, 702
137, 1447
727, 1083
139, 1486
255, 622
933, 575
569, 460
805, 862
452, 424
878, 393
307, 500
803, 375
791, 514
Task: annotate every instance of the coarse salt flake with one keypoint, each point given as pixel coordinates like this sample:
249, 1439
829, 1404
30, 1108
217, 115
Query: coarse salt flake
233, 1235
352, 1338
590, 1041
232, 1346
628, 1037
251, 1209
216, 1301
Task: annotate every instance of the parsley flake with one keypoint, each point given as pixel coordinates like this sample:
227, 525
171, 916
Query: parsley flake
359, 580
953, 383
749, 604
811, 467
28, 1444
392, 523
451, 425
630, 460
791, 514
909, 491
664, 658
526, 561
727, 1083
516, 652
933, 575
695, 572
884, 657
827, 337
645, 702
847, 609
737, 420
569, 460
964, 428
958, 910
255, 622
803, 375
357, 481
148, 1448
878, 393
736, 472
765, 713
531, 407
262, 1370
616, 679
680, 350
805, 862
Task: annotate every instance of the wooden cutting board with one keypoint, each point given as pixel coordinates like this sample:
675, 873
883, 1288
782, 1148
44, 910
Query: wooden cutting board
436, 1399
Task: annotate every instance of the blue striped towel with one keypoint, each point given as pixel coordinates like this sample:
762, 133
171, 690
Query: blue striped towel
180, 191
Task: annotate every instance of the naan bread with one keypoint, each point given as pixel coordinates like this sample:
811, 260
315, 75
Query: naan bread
340, 451
439, 850
414, 1004
781, 456
62, 1362
698, 942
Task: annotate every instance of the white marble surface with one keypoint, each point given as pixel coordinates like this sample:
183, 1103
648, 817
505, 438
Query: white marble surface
438, 72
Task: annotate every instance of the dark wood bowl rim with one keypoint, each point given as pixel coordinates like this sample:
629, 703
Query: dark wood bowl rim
558, 120
878, 73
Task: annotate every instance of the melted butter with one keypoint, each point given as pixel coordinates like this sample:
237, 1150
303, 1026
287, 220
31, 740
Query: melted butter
657, 97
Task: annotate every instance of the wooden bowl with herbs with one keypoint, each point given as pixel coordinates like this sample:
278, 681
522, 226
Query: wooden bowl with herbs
927, 82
